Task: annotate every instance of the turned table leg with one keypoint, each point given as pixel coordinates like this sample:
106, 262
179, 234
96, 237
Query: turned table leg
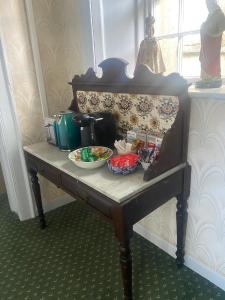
182, 216
124, 233
181, 229
126, 268
37, 196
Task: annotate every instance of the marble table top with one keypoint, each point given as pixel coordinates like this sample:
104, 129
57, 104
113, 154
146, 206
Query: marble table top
116, 187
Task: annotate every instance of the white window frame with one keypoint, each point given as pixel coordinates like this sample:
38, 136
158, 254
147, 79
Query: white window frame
179, 35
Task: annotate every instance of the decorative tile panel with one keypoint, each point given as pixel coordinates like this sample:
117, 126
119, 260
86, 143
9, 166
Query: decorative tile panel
153, 113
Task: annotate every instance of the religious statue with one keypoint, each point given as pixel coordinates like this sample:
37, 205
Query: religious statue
211, 38
150, 53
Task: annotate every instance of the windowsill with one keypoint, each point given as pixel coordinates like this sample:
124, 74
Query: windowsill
218, 93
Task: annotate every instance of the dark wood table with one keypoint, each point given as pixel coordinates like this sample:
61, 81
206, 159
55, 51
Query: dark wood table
124, 200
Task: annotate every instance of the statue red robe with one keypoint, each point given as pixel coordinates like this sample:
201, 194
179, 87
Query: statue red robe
211, 37
210, 55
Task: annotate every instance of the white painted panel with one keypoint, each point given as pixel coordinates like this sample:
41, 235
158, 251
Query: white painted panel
119, 29
11, 153
36, 57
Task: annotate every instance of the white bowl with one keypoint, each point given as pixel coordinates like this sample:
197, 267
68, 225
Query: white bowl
89, 165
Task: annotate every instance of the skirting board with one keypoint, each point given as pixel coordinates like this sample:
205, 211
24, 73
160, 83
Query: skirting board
60, 201
190, 262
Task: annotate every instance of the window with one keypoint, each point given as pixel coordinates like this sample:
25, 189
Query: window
118, 28
177, 28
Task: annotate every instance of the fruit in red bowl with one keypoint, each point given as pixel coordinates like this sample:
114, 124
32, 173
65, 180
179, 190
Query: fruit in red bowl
123, 164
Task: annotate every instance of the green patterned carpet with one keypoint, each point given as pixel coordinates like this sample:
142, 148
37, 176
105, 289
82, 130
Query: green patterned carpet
76, 258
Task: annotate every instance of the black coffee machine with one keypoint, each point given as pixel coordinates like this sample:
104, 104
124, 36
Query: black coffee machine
97, 129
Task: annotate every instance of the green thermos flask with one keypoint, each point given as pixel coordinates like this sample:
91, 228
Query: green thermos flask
67, 132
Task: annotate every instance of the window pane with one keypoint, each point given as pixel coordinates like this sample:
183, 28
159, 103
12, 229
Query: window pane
195, 13
190, 59
166, 16
169, 53
222, 4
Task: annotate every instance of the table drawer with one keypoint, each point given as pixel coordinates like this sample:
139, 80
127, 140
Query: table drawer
50, 173
72, 186
79, 190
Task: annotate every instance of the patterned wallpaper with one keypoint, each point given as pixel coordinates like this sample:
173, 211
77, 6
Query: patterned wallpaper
21, 69
63, 54
23, 78
206, 219
59, 37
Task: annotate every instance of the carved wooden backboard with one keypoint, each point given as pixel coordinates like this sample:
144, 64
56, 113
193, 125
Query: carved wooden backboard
169, 91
